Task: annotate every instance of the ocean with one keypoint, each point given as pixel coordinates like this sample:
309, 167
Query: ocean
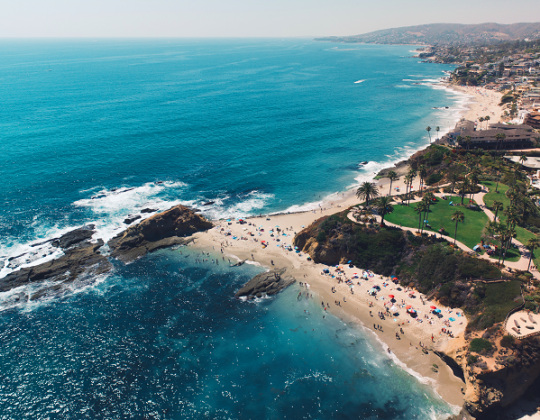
95, 130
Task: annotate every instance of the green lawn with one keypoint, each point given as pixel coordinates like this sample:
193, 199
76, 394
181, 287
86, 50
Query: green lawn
522, 234
492, 196
440, 215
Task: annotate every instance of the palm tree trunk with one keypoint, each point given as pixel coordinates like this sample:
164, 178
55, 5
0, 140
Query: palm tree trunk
455, 233
496, 212
504, 255
419, 220
530, 259
390, 192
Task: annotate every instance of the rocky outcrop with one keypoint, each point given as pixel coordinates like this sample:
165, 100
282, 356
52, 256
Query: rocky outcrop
400, 168
75, 261
130, 219
158, 231
83, 257
493, 390
488, 391
268, 283
74, 237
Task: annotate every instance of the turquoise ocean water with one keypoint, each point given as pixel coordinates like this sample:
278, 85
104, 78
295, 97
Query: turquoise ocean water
92, 131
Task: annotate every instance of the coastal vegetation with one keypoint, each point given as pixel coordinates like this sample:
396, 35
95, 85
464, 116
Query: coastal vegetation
420, 257
431, 265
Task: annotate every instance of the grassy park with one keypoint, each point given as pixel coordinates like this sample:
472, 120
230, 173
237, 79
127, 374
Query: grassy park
440, 216
522, 234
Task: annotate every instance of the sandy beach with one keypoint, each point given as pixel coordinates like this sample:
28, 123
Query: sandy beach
352, 307
234, 241
483, 102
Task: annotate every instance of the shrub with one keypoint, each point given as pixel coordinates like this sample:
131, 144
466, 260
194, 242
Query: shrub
507, 341
471, 360
434, 178
321, 236
479, 344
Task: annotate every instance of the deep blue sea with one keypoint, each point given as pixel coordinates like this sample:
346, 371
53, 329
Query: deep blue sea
94, 130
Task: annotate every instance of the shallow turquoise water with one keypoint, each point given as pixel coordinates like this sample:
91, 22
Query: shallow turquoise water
93, 131
163, 338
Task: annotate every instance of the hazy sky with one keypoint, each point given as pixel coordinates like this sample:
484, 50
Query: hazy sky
245, 18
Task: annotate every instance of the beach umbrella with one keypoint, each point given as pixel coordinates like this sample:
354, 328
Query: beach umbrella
349, 262
433, 307
438, 311
391, 296
393, 309
408, 307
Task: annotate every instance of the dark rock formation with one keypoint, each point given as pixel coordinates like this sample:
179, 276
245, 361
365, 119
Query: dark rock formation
158, 231
74, 237
269, 283
130, 219
83, 257
148, 210
67, 268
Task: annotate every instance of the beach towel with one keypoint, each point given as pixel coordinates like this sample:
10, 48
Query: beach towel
451, 319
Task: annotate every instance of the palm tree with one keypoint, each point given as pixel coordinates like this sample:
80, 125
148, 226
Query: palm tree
474, 180
506, 237
497, 206
384, 207
464, 188
367, 191
532, 245
468, 141
392, 176
437, 129
458, 216
422, 172
459, 139
512, 216
523, 159
421, 208
408, 181
428, 129
481, 119
486, 119
412, 175
454, 178
500, 138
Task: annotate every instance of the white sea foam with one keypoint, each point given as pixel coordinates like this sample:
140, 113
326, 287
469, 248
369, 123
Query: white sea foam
223, 208
359, 81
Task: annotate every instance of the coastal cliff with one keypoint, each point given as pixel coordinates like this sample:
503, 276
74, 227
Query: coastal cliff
497, 380
495, 376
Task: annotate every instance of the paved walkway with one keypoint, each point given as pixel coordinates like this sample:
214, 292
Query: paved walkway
479, 198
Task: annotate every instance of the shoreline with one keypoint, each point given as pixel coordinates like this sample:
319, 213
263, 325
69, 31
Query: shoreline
405, 352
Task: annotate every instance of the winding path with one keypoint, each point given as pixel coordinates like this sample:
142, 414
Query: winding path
521, 265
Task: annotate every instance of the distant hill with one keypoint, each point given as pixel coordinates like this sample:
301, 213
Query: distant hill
446, 33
